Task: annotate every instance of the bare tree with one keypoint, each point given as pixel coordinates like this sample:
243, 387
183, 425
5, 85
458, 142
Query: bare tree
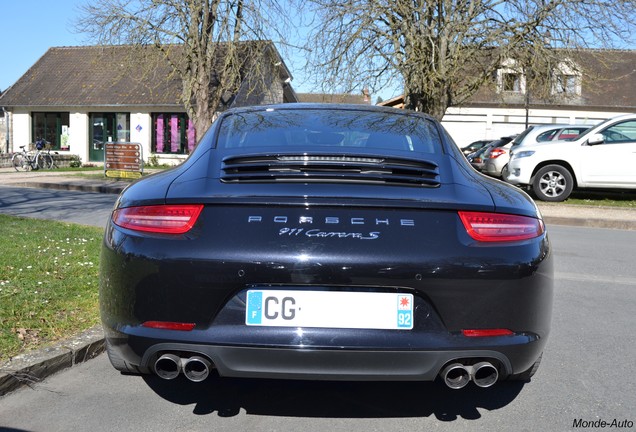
443, 51
208, 44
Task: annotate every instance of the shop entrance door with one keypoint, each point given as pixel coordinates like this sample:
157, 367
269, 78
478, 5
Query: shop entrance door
106, 127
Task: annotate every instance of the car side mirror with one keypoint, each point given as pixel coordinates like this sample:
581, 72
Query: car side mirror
596, 139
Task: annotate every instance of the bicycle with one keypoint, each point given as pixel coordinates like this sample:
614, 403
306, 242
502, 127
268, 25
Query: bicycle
27, 161
45, 160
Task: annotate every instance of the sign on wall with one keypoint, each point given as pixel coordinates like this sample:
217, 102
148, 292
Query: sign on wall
123, 160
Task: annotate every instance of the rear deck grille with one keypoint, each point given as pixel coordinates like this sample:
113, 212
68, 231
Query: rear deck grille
329, 168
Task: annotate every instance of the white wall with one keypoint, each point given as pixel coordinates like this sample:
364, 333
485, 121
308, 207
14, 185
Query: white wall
20, 130
78, 134
466, 125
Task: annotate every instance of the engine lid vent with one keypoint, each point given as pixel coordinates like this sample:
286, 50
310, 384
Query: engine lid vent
329, 168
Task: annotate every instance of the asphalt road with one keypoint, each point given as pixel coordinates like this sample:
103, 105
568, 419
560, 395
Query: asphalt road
587, 371
77, 207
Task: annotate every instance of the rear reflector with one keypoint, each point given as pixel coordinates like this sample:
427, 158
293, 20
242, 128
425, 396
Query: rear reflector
167, 325
487, 332
497, 227
165, 219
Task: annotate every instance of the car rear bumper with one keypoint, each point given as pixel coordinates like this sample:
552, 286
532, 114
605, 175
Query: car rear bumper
511, 355
518, 174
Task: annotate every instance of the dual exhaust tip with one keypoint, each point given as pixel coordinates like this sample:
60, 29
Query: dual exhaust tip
195, 368
483, 374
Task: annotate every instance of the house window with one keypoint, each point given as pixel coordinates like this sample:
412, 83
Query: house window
566, 85
510, 78
172, 133
511, 82
566, 79
51, 126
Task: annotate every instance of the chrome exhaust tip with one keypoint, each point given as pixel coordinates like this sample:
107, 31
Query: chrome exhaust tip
196, 368
484, 374
168, 366
456, 376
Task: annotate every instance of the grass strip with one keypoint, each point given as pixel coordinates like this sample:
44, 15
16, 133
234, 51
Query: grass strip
603, 198
48, 282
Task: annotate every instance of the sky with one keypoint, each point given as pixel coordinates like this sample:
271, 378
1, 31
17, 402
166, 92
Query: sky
30, 27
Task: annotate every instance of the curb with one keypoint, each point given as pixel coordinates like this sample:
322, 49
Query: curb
115, 188
590, 223
32, 367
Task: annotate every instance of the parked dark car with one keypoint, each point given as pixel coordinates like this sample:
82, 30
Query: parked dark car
474, 146
326, 242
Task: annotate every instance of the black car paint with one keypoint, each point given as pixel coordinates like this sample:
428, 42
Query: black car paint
202, 276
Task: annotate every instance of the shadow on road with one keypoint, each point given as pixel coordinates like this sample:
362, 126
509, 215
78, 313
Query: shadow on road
330, 399
77, 207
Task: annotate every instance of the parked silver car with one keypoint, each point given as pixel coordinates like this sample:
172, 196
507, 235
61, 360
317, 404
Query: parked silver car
496, 160
478, 158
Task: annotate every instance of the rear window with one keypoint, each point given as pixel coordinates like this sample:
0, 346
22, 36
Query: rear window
547, 136
328, 129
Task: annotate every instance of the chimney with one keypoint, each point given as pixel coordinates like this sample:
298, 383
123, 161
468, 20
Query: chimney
366, 94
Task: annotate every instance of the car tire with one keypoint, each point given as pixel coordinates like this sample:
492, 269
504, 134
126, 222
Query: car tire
504, 172
528, 374
553, 183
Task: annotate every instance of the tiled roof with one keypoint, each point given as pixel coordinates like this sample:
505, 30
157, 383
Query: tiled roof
92, 76
344, 98
608, 83
105, 76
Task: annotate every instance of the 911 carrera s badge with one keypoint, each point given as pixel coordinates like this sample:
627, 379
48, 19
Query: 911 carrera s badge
318, 233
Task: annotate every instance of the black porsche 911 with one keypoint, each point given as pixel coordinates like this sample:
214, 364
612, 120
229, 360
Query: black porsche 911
328, 242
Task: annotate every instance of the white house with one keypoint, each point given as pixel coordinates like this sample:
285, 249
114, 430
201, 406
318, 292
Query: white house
78, 98
594, 86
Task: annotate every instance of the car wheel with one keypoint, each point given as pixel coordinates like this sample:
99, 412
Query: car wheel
504, 172
553, 183
527, 375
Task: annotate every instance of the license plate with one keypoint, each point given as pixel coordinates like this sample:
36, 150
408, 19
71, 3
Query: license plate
330, 309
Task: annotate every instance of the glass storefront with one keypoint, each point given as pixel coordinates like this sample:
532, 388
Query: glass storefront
52, 127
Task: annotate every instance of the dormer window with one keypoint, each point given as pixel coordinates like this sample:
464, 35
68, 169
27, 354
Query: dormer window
510, 78
511, 82
566, 80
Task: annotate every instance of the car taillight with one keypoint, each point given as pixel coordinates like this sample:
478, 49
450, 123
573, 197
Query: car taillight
164, 219
498, 227
495, 153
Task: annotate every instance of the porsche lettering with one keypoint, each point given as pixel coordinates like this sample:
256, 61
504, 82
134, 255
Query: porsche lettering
333, 220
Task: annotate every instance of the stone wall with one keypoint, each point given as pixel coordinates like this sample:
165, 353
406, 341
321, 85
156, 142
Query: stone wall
62, 161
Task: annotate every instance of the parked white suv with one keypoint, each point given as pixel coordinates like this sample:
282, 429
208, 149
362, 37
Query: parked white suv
496, 159
602, 157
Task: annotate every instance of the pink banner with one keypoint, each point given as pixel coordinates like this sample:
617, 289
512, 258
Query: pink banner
159, 134
174, 134
192, 136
